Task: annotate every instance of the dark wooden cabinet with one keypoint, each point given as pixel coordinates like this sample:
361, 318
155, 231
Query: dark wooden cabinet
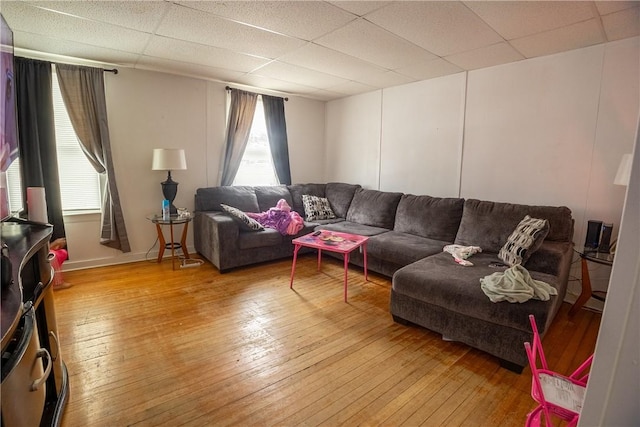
35, 382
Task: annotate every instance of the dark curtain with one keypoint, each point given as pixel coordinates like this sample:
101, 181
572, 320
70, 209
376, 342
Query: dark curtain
83, 94
241, 111
37, 138
277, 132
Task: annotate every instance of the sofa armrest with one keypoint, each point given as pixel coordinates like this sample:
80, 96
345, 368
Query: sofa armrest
215, 236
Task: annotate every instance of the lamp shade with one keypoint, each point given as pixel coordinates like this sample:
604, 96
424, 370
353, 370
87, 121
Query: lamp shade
168, 159
624, 171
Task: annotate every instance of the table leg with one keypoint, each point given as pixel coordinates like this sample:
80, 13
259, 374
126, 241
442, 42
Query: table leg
173, 247
364, 253
163, 243
293, 266
319, 258
586, 289
346, 268
183, 241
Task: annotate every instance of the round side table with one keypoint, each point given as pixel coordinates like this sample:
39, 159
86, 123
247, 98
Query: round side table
598, 258
173, 220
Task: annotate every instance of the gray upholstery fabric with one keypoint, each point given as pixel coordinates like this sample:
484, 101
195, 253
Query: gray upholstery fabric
298, 190
353, 228
374, 208
268, 196
489, 224
432, 217
340, 196
241, 197
268, 237
402, 248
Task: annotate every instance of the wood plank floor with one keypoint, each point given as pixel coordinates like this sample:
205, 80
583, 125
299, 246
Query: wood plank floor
148, 346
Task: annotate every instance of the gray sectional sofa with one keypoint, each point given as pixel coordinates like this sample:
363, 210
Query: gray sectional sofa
407, 234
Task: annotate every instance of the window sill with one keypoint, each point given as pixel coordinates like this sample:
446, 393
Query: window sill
81, 216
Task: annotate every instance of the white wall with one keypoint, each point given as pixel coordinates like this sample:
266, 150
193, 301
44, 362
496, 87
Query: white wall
422, 126
149, 110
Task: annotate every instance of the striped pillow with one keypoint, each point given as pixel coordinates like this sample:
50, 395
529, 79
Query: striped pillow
524, 241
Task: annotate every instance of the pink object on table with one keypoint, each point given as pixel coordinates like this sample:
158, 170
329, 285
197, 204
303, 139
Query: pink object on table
331, 241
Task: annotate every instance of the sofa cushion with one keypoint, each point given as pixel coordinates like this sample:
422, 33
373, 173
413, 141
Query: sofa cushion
353, 228
298, 190
489, 224
374, 208
402, 248
241, 197
269, 237
433, 217
340, 196
269, 195
243, 221
316, 208
525, 240
439, 281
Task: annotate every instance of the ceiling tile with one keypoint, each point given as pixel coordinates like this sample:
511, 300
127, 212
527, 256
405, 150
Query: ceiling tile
430, 69
187, 69
305, 20
39, 43
383, 79
195, 53
22, 17
205, 28
515, 19
360, 8
274, 84
325, 95
371, 43
441, 27
300, 75
606, 7
329, 61
499, 53
574, 36
139, 15
351, 88
622, 24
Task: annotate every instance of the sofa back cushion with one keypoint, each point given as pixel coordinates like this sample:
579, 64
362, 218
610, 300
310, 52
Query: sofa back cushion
340, 196
241, 197
432, 217
489, 224
268, 196
374, 208
299, 190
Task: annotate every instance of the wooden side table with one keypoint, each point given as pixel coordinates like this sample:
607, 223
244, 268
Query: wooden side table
173, 219
587, 291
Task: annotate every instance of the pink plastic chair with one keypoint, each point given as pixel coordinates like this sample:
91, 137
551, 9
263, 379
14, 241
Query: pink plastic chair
557, 395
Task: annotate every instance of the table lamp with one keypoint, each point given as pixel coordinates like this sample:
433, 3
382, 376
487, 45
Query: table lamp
169, 159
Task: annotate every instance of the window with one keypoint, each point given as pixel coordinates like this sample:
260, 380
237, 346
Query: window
80, 184
79, 181
256, 167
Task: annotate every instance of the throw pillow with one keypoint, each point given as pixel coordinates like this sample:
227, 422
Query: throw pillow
524, 241
316, 208
245, 223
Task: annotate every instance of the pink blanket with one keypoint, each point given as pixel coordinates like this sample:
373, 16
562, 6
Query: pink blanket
280, 217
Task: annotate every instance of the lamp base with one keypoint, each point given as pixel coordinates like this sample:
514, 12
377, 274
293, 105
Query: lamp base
169, 191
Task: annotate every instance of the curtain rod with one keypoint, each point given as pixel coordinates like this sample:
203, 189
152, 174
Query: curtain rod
229, 88
113, 70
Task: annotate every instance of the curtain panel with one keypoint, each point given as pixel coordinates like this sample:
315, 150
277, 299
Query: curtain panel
83, 93
37, 138
277, 133
241, 111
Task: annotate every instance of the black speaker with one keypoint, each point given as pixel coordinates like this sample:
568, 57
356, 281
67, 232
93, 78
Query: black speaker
605, 240
593, 235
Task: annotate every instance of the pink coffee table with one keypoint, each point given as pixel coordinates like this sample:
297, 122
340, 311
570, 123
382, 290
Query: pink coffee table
332, 241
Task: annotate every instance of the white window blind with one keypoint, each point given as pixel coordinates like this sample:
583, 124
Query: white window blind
79, 181
256, 167
15, 187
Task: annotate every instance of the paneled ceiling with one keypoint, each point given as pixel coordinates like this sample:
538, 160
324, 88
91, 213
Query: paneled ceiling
317, 49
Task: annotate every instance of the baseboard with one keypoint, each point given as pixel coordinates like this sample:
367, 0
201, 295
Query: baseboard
124, 258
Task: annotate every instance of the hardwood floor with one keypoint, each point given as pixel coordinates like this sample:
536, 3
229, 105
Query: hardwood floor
146, 346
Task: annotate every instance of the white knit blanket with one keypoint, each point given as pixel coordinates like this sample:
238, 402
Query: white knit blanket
515, 285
